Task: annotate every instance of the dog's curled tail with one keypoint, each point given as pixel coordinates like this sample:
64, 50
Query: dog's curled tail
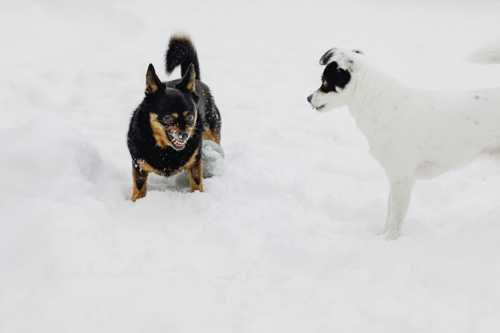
181, 52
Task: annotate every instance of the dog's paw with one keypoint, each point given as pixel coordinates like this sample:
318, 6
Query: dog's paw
391, 235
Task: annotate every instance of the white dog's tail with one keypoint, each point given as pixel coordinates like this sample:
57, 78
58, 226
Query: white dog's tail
489, 54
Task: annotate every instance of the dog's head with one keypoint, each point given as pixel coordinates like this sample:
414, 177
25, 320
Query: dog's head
338, 79
172, 111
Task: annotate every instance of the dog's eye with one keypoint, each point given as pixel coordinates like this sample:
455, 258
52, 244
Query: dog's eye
190, 118
325, 87
168, 119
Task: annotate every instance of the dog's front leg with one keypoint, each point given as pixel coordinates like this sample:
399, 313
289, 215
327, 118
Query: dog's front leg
139, 183
195, 175
399, 200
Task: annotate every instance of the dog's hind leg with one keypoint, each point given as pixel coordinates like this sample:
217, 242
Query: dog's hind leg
209, 134
399, 200
139, 185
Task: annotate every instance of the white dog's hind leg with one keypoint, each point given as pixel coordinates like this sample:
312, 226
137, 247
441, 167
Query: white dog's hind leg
399, 200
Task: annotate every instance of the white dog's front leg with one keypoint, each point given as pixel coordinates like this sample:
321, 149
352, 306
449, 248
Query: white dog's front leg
388, 217
399, 200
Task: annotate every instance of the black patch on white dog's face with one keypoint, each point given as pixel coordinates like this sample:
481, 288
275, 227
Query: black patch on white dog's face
334, 77
338, 79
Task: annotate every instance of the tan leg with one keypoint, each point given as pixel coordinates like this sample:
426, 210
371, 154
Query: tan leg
195, 175
139, 185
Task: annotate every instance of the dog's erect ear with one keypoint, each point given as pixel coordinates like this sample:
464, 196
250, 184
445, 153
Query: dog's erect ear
188, 82
326, 57
153, 83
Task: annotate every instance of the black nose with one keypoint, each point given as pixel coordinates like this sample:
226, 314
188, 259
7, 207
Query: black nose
309, 98
183, 136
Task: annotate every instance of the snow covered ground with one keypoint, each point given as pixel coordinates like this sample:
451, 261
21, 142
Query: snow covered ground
285, 240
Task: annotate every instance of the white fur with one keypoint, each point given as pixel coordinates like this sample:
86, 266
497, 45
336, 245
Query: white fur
414, 133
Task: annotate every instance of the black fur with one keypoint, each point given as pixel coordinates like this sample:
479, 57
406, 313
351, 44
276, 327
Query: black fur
164, 99
181, 52
334, 77
141, 142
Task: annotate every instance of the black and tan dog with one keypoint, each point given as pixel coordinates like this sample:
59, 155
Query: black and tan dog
167, 129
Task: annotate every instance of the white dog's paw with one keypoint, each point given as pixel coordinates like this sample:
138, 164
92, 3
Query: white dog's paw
391, 234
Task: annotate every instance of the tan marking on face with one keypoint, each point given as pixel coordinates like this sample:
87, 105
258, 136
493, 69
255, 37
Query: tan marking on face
190, 130
173, 130
159, 133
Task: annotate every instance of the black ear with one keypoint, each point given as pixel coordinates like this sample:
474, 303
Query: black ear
325, 57
153, 83
188, 82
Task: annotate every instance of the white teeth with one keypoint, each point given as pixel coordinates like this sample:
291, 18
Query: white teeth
178, 144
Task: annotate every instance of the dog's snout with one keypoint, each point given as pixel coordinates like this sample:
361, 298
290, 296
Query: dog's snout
309, 98
183, 136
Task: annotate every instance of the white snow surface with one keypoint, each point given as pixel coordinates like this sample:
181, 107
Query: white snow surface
285, 239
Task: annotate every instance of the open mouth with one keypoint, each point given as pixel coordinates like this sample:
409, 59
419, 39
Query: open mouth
177, 144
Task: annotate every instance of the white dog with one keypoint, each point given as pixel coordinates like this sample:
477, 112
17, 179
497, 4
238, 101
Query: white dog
412, 133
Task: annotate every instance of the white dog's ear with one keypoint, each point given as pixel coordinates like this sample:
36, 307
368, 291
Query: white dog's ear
326, 57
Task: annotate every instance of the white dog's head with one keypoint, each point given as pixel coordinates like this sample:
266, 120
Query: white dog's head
338, 79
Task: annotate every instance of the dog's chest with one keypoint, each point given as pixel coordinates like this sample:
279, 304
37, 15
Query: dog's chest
168, 162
